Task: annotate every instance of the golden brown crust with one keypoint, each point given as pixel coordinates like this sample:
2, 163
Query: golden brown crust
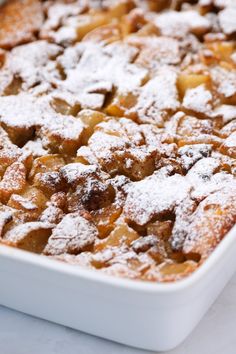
118, 132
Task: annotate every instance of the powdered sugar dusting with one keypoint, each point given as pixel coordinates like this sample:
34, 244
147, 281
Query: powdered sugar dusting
157, 97
178, 24
118, 132
198, 99
99, 70
146, 199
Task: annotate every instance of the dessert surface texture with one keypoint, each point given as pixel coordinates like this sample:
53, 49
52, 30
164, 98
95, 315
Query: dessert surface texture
118, 132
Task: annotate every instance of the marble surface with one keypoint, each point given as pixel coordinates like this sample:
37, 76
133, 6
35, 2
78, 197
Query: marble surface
22, 334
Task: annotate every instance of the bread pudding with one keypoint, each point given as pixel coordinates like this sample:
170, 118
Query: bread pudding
118, 132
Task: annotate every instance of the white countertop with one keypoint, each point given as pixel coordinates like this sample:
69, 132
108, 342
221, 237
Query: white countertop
22, 334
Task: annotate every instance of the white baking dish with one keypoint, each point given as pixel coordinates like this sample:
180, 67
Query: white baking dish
145, 315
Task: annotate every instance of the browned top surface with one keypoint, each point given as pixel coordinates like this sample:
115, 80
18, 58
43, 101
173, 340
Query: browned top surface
118, 132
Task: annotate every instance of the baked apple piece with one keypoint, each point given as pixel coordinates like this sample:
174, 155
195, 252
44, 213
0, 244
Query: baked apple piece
105, 218
170, 271
221, 50
161, 229
46, 163
68, 22
16, 201
146, 200
121, 235
63, 107
90, 119
121, 104
104, 34
96, 19
188, 81
35, 196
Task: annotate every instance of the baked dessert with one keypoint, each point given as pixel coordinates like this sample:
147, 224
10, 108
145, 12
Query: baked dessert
118, 132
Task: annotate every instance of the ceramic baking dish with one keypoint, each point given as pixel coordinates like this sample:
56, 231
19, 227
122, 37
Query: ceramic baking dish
141, 314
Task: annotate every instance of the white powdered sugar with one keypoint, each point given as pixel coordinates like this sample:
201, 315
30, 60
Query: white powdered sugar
58, 12
33, 63
27, 111
225, 81
227, 20
224, 3
156, 51
178, 24
198, 99
75, 172
157, 97
35, 147
72, 235
22, 231
118, 132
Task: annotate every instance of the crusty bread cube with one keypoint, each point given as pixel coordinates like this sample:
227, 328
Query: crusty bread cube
46, 163
14, 181
31, 236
